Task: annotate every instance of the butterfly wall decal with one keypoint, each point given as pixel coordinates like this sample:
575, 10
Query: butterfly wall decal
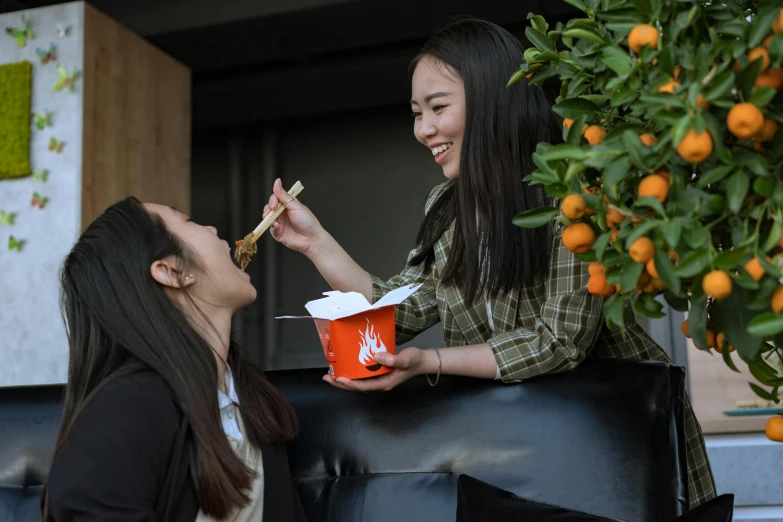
7, 218
15, 244
23, 34
56, 146
47, 55
40, 175
43, 120
63, 30
38, 200
64, 79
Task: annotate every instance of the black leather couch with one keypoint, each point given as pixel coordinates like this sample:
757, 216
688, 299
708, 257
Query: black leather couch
605, 438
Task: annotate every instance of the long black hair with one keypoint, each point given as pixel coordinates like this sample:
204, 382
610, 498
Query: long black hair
120, 320
503, 124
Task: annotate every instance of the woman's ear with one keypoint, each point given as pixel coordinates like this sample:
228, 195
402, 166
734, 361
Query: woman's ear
166, 273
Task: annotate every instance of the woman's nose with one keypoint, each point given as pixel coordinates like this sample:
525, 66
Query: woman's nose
212, 229
426, 129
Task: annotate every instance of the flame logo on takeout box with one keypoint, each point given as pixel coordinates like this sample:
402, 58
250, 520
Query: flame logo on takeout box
370, 344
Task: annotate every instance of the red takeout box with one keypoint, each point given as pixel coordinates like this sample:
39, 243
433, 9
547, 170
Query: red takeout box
352, 330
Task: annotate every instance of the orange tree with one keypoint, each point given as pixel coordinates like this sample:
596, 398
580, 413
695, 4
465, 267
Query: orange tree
670, 174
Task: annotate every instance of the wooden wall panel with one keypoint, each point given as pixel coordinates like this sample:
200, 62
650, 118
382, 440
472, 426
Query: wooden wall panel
137, 120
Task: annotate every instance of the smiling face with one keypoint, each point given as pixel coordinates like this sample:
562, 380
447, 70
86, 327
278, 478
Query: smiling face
438, 105
217, 282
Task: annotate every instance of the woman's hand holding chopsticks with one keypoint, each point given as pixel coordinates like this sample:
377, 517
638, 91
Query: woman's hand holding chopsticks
297, 227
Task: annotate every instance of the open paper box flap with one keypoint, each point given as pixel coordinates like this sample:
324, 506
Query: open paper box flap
337, 305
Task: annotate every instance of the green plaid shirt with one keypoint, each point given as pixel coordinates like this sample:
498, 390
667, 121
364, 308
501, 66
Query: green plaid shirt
548, 327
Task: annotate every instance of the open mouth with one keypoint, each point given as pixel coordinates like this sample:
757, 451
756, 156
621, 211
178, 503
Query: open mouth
440, 151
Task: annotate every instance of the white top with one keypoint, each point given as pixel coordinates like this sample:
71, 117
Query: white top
229, 410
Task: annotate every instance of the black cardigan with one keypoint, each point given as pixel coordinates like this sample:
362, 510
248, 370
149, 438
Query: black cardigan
127, 458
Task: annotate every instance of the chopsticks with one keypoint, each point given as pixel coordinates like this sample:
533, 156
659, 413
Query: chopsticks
267, 221
246, 247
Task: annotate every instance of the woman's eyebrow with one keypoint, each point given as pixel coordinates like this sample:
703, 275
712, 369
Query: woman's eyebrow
432, 96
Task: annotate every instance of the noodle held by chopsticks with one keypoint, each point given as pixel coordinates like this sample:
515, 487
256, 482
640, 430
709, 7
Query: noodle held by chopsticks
246, 247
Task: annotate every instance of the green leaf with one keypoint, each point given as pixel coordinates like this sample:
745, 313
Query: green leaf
763, 372
747, 78
539, 39
575, 132
681, 129
762, 96
635, 147
758, 166
773, 238
676, 302
600, 245
731, 258
761, 24
574, 108
613, 310
695, 235
536, 217
559, 190
584, 34
617, 59
516, 77
720, 86
736, 189
766, 324
629, 274
697, 318
616, 172
714, 175
728, 360
671, 233
650, 202
643, 307
578, 4
641, 230
776, 46
564, 151
732, 316
692, 264
763, 186
665, 269
538, 22
761, 392
623, 95
586, 257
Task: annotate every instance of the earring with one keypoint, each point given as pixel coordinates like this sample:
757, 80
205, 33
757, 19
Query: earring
189, 276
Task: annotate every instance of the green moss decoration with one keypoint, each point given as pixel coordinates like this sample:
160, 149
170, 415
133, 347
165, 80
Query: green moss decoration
15, 95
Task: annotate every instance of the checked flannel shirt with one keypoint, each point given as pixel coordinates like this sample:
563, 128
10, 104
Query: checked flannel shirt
545, 328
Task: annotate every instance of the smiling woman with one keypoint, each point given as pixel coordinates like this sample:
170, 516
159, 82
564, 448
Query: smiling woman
164, 419
513, 302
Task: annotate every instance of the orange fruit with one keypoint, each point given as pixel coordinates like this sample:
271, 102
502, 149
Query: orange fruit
568, 122
650, 266
719, 340
648, 139
642, 35
767, 131
655, 186
695, 148
669, 86
701, 103
662, 173
745, 120
616, 231
528, 75
771, 78
710, 338
573, 206
578, 238
658, 283
684, 329
759, 52
595, 268
777, 25
642, 250
768, 40
597, 285
717, 284
754, 268
614, 217
677, 71
594, 134
776, 302
774, 429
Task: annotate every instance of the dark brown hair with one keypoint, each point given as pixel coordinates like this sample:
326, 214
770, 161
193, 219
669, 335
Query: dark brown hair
503, 125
